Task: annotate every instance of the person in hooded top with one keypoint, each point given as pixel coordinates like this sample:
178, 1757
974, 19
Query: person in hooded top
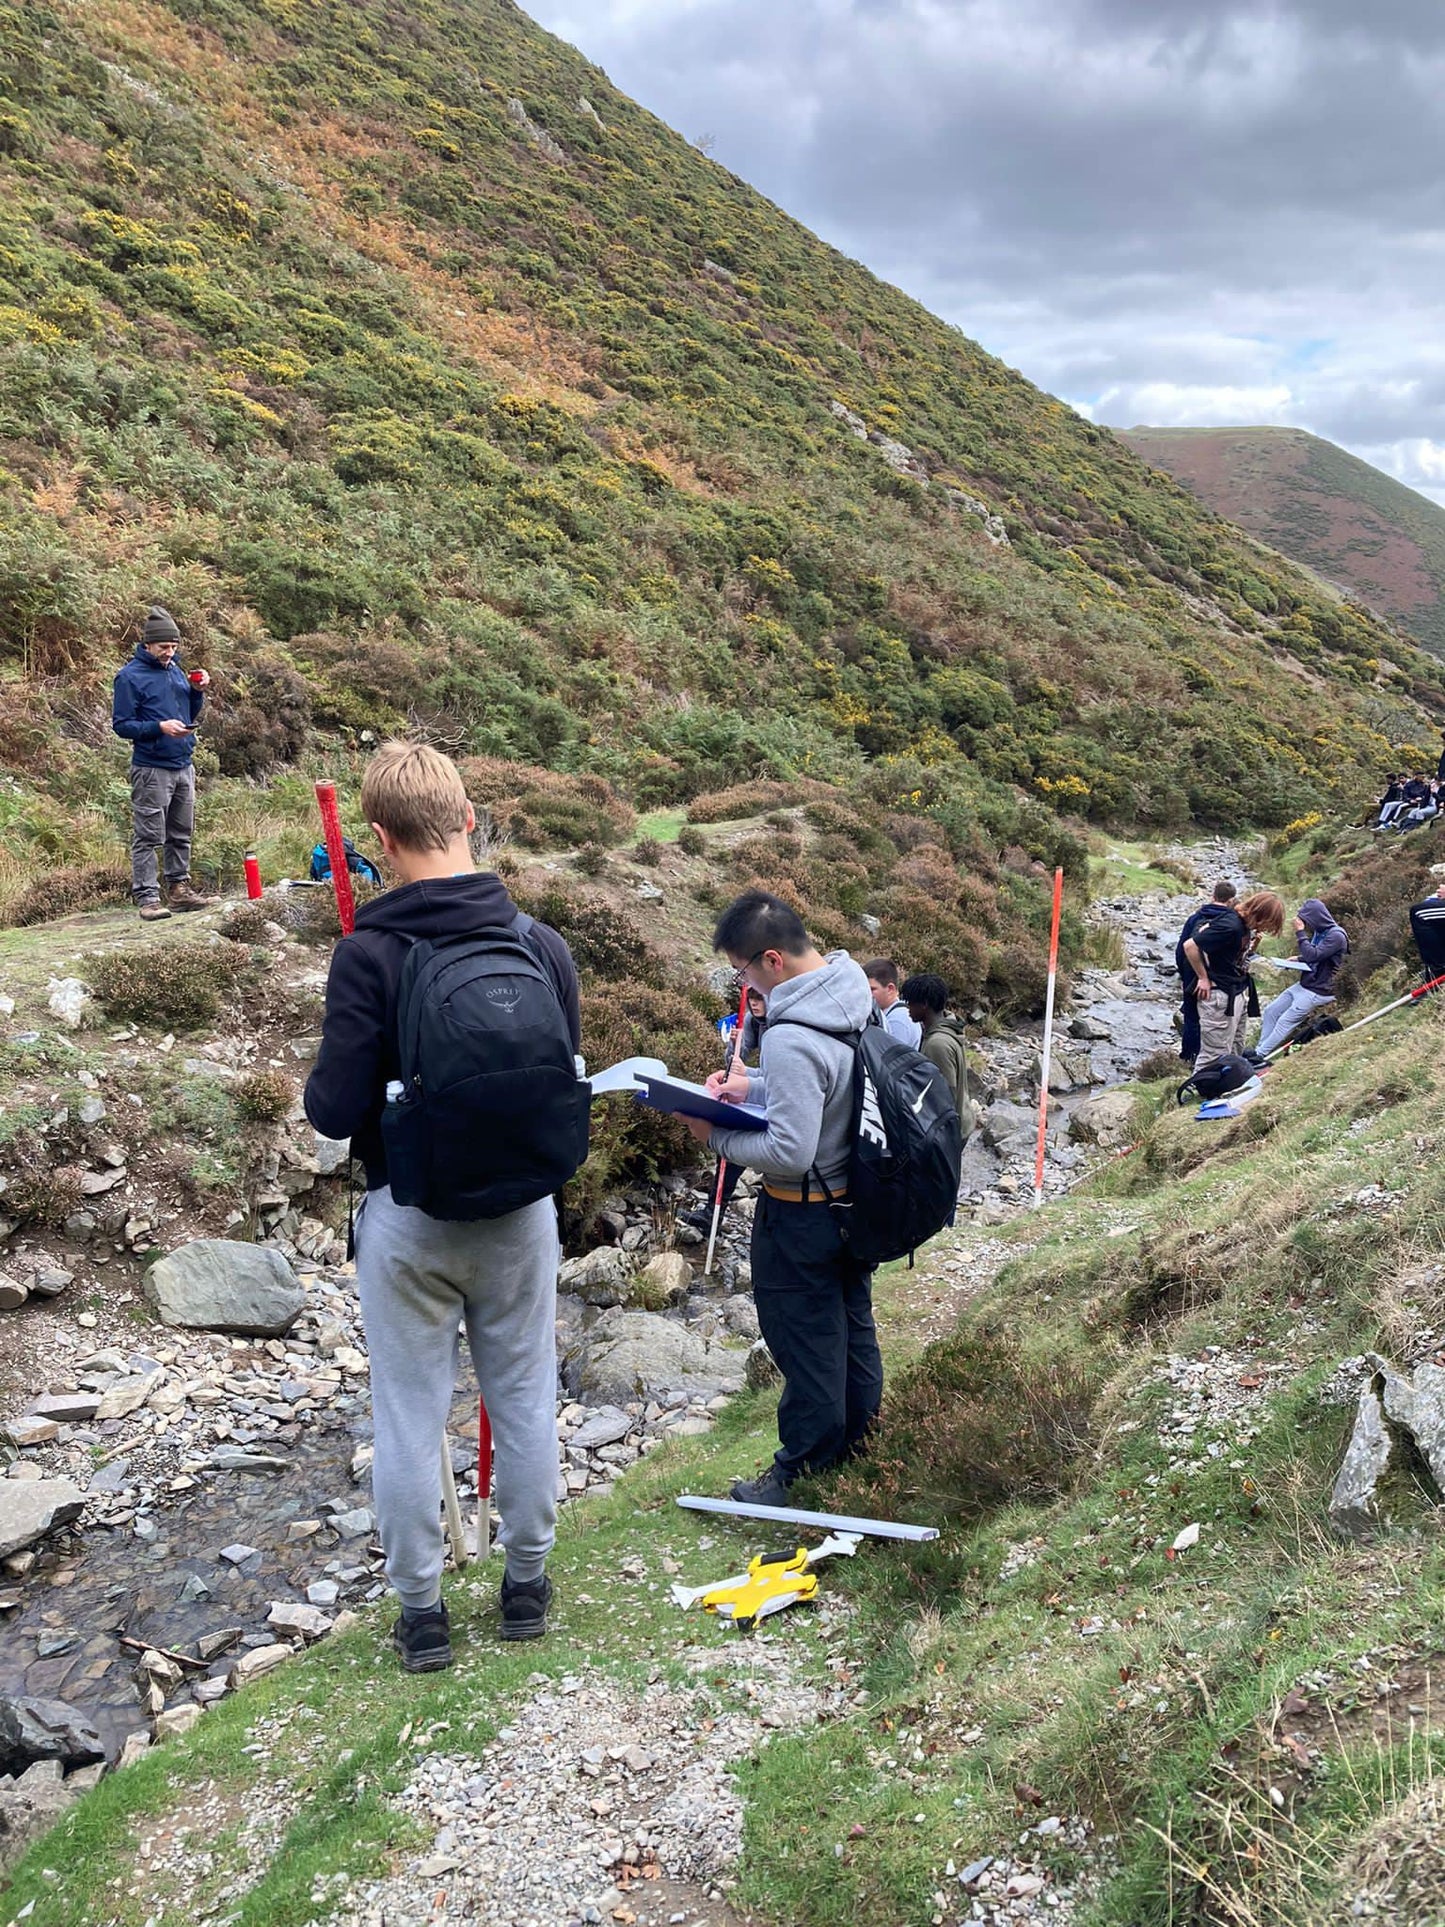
814, 1300
1320, 943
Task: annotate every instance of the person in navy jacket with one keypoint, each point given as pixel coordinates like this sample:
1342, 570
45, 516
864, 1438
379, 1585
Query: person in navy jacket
155, 709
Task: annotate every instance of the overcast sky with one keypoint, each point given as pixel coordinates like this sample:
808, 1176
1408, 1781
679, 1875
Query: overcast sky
1163, 211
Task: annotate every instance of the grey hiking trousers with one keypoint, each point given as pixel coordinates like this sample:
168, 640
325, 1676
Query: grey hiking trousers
163, 817
419, 1279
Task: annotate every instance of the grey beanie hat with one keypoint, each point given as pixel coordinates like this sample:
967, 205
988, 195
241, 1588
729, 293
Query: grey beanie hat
160, 626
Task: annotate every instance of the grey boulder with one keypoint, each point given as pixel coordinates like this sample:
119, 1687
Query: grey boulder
29, 1508
603, 1277
36, 1729
1106, 1120
632, 1354
217, 1284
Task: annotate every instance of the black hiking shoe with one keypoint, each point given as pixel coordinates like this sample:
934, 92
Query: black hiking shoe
524, 1607
768, 1490
700, 1220
423, 1640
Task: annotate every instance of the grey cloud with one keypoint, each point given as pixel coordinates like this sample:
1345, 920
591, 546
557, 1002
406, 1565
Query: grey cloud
1121, 200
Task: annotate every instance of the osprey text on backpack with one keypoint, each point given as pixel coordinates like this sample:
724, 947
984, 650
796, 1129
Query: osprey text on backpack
906, 1145
491, 1114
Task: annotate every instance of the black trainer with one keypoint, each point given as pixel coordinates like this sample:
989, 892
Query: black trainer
768, 1490
423, 1640
524, 1607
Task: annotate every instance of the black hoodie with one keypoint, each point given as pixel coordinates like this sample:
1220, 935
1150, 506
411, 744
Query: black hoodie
346, 1090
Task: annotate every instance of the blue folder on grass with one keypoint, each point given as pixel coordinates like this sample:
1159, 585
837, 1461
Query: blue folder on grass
685, 1099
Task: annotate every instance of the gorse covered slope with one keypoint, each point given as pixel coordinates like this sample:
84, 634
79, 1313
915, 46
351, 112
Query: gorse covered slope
432, 383
1319, 505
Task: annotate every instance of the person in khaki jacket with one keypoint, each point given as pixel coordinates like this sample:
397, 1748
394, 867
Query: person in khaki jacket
942, 1042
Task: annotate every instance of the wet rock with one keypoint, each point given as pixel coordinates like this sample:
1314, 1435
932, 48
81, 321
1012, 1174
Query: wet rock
210, 1645
355, 1524
1106, 1120
44, 1729
216, 1284
1008, 1127
1071, 1071
29, 1508
240, 1458
629, 1354
603, 1277
237, 1554
1090, 1030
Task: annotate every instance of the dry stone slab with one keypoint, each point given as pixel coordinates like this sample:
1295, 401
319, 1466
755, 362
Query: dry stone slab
631, 1354
29, 1508
218, 1284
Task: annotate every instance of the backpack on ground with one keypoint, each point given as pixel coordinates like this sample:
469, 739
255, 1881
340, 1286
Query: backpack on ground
1323, 1025
359, 865
906, 1144
1217, 1079
492, 1114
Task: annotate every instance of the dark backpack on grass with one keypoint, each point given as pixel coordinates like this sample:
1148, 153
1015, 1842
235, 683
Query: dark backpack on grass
1225, 1074
492, 1114
906, 1145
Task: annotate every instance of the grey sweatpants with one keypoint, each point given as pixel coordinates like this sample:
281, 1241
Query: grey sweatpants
420, 1278
163, 816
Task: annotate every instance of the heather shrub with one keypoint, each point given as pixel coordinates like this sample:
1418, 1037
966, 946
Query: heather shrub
752, 799
920, 934
179, 988
72, 887
603, 942
257, 716
264, 1096
541, 808
647, 851
591, 859
691, 841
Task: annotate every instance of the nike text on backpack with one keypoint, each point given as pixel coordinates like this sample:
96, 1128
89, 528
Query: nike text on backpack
906, 1143
491, 1114
1216, 1079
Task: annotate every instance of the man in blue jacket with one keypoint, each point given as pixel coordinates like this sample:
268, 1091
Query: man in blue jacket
155, 708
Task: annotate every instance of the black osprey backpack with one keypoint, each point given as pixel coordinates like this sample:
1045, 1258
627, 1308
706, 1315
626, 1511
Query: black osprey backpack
491, 1114
1228, 1073
907, 1144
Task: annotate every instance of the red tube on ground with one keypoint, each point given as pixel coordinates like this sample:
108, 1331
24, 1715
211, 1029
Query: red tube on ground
253, 876
336, 851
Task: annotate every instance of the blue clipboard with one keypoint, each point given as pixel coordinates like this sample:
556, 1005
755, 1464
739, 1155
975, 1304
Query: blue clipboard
684, 1099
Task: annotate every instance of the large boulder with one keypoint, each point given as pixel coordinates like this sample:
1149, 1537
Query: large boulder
216, 1284
636, 1354
1106, 1120
664, 1280
1009, 1128
29, 1508
1354, 1506
31, 1804
603, 1277
35, 1729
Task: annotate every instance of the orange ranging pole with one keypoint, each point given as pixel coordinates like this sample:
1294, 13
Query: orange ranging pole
336, 851
1048, 1039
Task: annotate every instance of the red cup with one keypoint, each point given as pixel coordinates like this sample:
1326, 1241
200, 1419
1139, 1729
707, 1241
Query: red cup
197, 676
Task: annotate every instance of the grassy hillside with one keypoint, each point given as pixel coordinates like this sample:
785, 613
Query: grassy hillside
1362, 530
434, 384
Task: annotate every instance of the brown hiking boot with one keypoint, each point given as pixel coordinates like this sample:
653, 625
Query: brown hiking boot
182, 896
153, 912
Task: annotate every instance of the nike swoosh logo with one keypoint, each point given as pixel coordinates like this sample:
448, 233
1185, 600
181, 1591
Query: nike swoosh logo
916, 1108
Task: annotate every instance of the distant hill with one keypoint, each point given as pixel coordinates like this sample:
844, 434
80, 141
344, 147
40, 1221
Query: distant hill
1319, 505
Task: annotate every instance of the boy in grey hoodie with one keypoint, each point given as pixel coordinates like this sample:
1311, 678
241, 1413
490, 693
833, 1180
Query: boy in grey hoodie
814, 1301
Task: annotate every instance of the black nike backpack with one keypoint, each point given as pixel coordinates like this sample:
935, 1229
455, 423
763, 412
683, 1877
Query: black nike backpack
492, 1114
906, 1146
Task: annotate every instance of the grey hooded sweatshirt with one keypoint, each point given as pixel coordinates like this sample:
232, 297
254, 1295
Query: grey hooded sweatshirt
1323, 948
806, 1078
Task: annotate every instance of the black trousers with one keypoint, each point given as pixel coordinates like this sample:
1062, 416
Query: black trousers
815, 1309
